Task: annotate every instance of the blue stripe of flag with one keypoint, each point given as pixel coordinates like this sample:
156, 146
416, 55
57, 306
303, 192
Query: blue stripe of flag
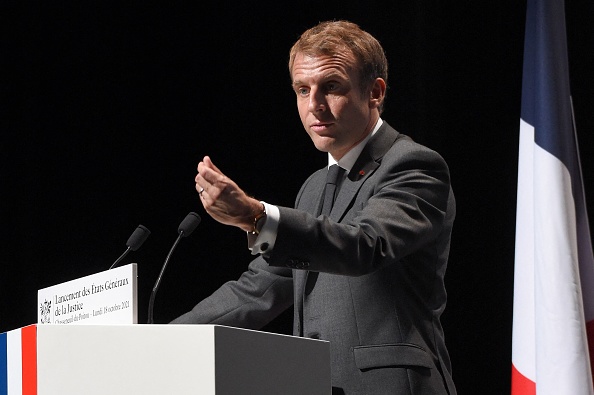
546, 97
3, 364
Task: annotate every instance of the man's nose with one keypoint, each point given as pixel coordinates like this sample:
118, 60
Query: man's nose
317, 101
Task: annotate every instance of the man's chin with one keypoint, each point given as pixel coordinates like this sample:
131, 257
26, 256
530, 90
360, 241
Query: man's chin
323, 148
324, 144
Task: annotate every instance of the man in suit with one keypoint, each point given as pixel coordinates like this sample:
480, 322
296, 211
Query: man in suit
366, 274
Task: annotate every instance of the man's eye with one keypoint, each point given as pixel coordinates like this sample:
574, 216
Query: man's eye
332, 87
302, 91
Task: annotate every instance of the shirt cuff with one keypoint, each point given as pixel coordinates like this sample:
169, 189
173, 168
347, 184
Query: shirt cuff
264, 241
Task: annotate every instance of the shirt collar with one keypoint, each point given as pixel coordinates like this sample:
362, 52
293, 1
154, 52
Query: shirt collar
348, 160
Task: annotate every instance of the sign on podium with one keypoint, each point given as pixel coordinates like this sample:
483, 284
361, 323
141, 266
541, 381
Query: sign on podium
108, 297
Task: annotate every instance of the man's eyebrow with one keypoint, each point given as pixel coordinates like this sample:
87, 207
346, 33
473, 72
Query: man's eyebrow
333, 75
323, 78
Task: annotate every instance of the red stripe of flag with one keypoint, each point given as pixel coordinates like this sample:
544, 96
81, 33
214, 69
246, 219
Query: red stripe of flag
29, 353
521, 385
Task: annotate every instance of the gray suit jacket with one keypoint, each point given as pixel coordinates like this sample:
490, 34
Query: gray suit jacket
369, 278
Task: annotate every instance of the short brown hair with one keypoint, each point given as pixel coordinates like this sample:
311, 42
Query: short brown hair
333, 37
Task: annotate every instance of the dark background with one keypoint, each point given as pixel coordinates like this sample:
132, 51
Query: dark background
108, 106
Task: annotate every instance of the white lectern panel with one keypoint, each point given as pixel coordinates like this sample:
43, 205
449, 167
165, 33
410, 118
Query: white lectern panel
178, 359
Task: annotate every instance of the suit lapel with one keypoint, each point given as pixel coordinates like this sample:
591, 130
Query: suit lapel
311, 198
367, 162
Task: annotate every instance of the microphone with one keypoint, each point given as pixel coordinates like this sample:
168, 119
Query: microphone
186, 228
136, 239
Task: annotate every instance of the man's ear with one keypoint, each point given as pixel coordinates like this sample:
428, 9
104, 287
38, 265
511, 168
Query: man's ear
378, 92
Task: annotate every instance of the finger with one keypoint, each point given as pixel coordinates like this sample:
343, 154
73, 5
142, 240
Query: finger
202, 185
202, 175
208, 162
209, 175
204, 168
204, 197
200, 180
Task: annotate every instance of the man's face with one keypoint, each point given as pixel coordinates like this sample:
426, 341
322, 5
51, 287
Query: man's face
334, 112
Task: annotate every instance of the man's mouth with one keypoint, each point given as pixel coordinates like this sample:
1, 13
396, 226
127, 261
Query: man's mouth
320, 127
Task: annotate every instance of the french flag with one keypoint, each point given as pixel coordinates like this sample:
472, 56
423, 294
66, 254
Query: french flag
18, 361
553, 319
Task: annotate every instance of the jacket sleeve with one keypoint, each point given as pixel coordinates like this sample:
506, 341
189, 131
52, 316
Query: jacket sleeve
256, 298
397, 211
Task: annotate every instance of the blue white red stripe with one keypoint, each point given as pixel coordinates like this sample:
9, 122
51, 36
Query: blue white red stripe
554, 264
18, 361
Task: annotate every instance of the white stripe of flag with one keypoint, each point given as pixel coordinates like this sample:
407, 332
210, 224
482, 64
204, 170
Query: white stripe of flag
14, 360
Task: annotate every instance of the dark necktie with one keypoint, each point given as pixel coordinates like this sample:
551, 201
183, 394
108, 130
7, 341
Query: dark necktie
335, 172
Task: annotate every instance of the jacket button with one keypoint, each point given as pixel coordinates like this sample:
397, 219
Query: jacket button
292, 263
302, 265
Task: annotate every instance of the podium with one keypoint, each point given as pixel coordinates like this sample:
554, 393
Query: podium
162, 359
